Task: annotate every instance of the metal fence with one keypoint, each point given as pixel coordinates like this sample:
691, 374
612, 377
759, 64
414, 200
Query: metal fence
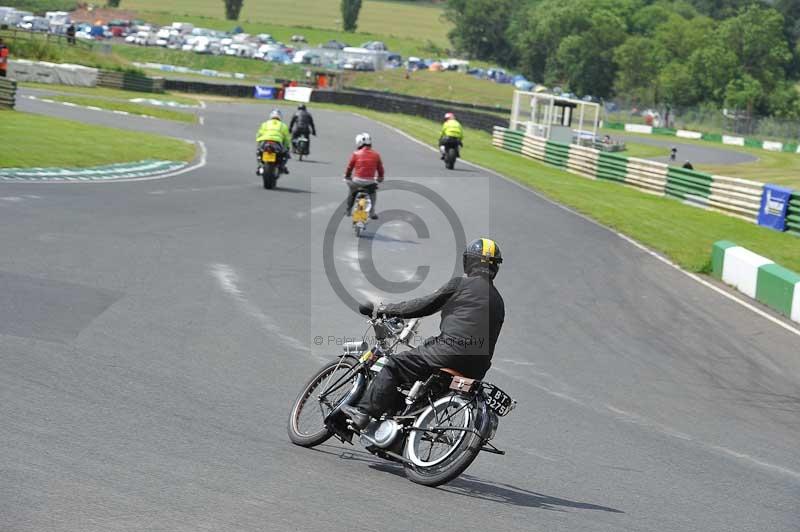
18, 34
706, 120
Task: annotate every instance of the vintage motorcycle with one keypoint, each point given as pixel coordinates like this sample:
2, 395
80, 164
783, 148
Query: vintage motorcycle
361, 208
438, 427
301, 146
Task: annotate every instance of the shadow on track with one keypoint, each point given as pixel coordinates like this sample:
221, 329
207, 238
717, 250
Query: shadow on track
469, 486
291, 190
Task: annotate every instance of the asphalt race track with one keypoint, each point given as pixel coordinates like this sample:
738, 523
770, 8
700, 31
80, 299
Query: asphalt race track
153, 335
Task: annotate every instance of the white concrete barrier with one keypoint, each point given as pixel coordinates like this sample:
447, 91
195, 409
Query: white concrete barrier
689, 134
733, 141
638, 128
741, 269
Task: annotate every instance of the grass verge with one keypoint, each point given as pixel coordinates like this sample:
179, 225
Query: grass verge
46, 141
104, 92
132, 108
453, 86
642, 151
682, 233
250, 67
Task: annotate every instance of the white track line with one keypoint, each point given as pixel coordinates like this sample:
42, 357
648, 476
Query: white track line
228, 280
664, 260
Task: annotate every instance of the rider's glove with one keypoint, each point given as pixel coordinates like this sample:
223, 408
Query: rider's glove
367, 309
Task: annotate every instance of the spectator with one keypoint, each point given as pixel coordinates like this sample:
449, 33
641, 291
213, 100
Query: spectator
3, 59
688, 166
71, 34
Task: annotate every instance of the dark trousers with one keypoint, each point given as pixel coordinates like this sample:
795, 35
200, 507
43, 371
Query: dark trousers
354, 188
411, 366
2, 72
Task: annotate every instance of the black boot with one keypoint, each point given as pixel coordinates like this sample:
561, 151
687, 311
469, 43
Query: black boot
358, 417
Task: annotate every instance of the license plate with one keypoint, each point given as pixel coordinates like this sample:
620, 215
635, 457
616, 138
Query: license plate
268, 157
497, 399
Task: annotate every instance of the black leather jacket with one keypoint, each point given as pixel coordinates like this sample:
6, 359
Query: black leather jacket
302, 121
472, 315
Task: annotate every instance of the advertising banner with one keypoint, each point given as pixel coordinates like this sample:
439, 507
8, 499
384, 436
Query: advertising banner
264, 93
774, 204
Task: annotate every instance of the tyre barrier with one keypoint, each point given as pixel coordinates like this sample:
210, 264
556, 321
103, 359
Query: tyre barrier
129, 81
732, 196
8, 93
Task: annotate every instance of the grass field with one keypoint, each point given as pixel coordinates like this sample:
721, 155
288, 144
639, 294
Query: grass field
129, 107
682, 233
46, 141
419, 21
453, 86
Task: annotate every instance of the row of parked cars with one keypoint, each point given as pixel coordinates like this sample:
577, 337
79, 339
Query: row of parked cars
334, 54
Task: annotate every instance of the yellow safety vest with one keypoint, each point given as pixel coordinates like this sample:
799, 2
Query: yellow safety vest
275, 131
452, 128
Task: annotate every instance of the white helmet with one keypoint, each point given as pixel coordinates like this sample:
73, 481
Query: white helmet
276, 113
363, 139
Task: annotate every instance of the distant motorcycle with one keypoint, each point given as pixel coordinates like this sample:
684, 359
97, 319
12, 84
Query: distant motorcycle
301, 145
361, 209
439, 425
449, 148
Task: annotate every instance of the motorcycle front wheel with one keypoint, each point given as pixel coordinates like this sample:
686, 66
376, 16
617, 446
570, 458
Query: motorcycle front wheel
442, 444
320, 395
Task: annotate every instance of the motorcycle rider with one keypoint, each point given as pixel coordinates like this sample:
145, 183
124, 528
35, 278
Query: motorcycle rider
364, 164
274, 130
472, 316
452, 132
302, 124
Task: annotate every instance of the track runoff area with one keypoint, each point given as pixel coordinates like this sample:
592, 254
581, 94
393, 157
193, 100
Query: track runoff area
155, 334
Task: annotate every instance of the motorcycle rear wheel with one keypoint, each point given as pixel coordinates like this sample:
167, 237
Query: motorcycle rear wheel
326, 376
450, 158
270, 175
464, 445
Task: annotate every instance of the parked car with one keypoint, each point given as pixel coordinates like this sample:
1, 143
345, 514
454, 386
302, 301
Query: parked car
32, 23
335, 45
377, 46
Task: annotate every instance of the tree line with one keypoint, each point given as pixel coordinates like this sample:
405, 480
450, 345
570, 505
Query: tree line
741, 54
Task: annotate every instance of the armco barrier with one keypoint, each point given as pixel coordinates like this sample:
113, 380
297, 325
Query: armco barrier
394, 104
204, 87
129, 81
732, 196
447, 103
757, 277
8, 93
